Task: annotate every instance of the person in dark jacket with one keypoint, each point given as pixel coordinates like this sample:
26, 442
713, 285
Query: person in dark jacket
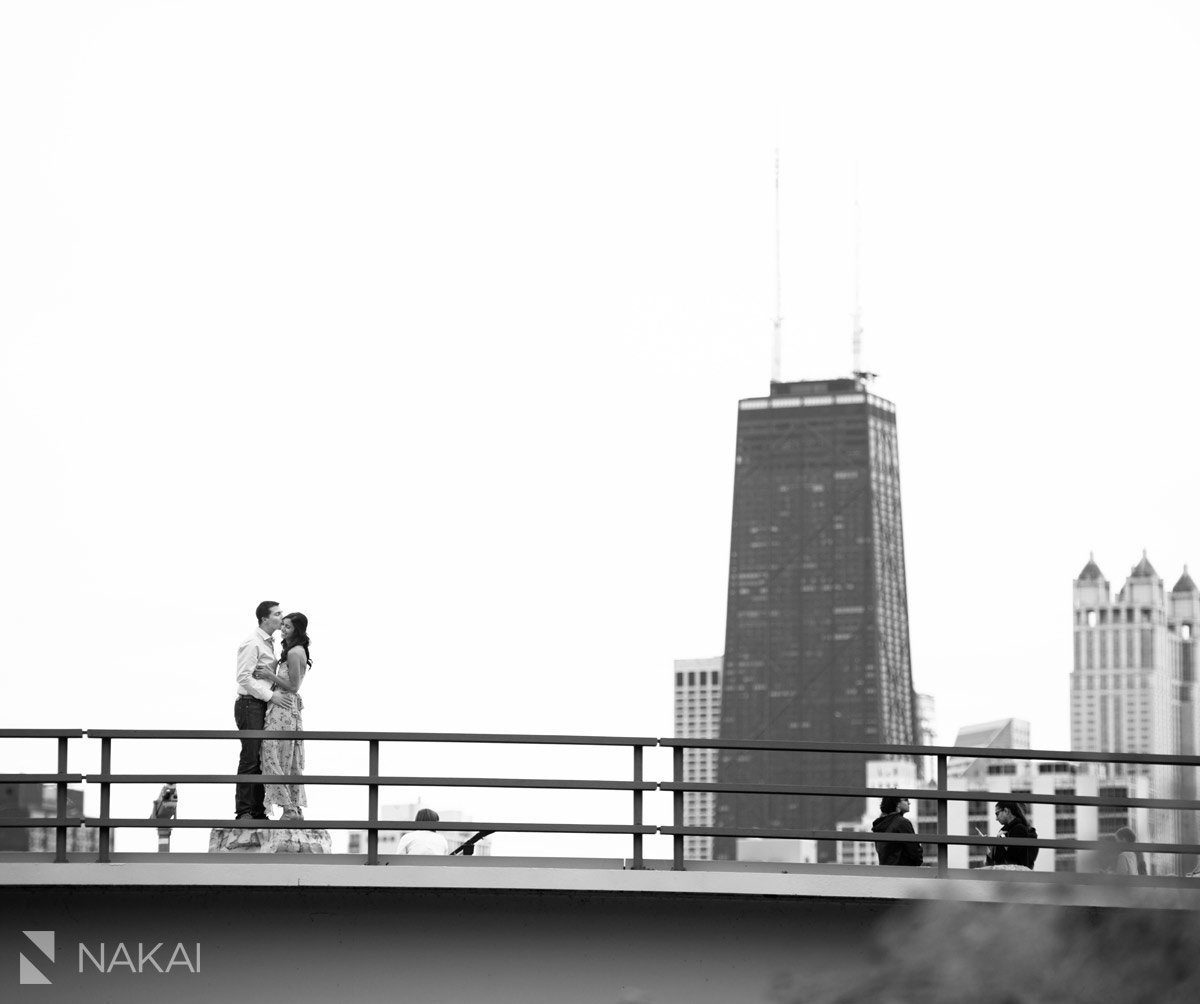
893, 852
1013, 823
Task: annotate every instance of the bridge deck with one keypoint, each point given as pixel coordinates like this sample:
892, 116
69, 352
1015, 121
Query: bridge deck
601, 875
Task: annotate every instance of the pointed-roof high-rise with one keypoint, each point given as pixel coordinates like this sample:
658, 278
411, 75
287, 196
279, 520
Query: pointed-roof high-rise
1185, 583
1133, 688
1143, 569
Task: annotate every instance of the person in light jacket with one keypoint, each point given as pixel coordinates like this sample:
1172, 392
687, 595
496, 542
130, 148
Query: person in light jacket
1128, 862
423, 841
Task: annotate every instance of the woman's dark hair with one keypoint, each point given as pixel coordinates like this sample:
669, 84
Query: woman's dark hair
889, 803
299, 637
426, 816
1016, 809
1126, 836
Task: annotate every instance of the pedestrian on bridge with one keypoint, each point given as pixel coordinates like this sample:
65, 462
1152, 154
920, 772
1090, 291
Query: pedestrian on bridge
423, 841
1129, 862
1011, 817
891, 820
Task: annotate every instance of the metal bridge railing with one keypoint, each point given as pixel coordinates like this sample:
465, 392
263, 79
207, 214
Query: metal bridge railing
372, 780
637, 785
942, 794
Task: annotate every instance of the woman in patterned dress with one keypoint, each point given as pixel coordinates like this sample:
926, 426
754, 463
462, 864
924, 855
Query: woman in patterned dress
286, 756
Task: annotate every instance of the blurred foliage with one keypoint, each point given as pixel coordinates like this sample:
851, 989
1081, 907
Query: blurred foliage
947, 953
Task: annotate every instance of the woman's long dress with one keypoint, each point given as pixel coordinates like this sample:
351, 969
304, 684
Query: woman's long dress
284, 756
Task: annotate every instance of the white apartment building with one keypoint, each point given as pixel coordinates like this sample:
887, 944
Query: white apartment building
1002, 776
1066, 822
1133, 686
796, 852
38, 801
698, 716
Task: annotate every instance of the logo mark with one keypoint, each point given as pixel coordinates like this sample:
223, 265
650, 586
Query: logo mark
44, 941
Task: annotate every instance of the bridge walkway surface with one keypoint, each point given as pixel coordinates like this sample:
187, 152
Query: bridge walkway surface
321, 928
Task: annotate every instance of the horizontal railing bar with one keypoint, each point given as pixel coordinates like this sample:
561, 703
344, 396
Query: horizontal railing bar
360, 824
967, 752
411, 737
926, 794
934, 794
1062, 843
777, 745
50, 822
40, 822
918, 838
385, 781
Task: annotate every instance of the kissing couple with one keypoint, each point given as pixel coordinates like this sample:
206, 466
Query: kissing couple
268, 698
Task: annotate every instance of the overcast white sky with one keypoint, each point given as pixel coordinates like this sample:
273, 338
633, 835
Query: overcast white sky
431, 321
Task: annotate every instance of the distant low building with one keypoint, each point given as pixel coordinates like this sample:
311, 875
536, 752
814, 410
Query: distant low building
1063, 822
41, 801
1004, 733
970, 817
797, 852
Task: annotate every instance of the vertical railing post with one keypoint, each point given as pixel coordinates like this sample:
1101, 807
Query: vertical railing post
677, 773
943, 817
373, 805
60, 832
105, 796
637, 806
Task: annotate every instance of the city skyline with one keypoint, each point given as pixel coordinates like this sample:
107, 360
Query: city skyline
494, 305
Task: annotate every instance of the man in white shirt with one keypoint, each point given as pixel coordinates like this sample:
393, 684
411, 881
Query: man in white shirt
253, 696
423, 841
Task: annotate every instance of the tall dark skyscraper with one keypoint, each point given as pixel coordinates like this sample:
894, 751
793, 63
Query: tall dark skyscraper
816, 631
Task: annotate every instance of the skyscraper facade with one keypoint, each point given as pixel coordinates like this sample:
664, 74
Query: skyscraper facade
1133, 686
698, 716
816, 633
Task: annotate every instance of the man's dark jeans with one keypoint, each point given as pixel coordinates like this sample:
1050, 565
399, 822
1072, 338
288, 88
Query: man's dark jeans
250, 713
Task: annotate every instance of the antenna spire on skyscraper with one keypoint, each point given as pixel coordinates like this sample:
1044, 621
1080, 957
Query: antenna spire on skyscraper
856, 313
777, 336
